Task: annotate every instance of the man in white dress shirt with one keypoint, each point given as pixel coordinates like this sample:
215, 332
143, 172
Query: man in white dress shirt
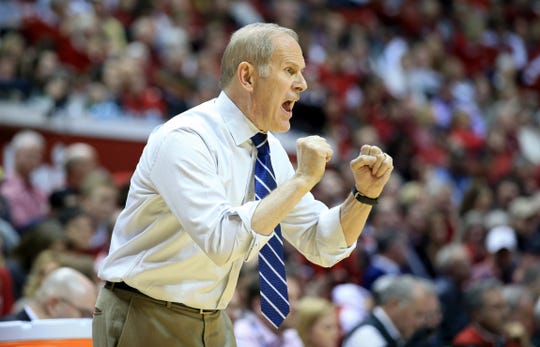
191, 219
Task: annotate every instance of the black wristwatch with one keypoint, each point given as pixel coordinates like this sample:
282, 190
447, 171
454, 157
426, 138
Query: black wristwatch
364, 199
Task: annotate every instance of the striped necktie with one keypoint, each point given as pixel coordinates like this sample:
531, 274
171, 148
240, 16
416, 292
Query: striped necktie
273, 285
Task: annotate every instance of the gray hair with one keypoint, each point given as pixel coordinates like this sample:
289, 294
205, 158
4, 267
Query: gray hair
447, 255
427, 285
252, 43
514, 293
78, 152
474, 295
389, 287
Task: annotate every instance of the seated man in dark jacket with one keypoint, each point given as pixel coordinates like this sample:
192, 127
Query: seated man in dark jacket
398, 313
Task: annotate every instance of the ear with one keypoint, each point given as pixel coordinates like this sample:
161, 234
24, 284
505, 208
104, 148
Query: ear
245, 74
51, 306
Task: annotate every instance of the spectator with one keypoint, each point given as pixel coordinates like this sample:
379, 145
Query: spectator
524, 216
79, 228
253, 330
527, 264
489, 318
47, 261
536, 335
434, 238
428, 333
51, 259
9, 238
44, 235
520, 321
453, 267
396, 316
26, 203
473, 236
317, 323
501, 244
80, 160
64, 293
354, 304
390, 258
531, 279
98, 199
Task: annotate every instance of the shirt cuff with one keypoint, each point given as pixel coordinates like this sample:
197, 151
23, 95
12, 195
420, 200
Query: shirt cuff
245, 212
332, 235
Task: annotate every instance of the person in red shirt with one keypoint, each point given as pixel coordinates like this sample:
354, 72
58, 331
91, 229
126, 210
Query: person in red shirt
489, 325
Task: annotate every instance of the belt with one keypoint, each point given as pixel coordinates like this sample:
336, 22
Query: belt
112, 286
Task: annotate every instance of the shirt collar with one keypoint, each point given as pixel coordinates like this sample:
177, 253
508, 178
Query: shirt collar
239, 126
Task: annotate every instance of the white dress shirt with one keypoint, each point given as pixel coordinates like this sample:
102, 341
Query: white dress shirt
186, 228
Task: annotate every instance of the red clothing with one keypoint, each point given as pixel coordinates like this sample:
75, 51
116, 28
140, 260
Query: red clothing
36, 30
472, 335
7, 296
148, 100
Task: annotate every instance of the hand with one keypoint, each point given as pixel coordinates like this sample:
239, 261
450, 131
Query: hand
313, 152
371, 169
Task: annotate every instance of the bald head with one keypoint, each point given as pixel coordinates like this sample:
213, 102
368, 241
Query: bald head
67, 293
28, 147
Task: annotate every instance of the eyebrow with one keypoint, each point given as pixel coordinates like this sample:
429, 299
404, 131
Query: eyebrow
289, 63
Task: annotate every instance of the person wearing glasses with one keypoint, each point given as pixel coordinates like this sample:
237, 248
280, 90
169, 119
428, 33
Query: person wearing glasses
64, 293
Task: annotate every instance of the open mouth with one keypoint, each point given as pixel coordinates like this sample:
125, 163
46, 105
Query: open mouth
288, 106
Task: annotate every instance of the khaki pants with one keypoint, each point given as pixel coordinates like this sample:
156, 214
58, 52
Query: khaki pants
126, 319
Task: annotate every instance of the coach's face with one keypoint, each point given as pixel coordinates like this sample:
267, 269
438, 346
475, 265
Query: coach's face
276, 91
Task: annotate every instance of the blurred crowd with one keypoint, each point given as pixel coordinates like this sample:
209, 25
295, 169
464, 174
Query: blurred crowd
450, 89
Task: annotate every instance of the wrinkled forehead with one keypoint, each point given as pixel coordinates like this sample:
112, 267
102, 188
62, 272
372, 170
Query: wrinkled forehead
287, 50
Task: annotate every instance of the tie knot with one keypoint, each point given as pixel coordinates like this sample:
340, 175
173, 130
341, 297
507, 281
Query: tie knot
260, 140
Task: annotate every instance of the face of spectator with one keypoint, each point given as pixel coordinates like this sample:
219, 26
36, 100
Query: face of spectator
504, 259
294, 291
494, 312
409, 316
325, 331
431, 311
461, 268
66, 307
79, 231
274, 94
101, 203
524, 313
398, 251
28, 158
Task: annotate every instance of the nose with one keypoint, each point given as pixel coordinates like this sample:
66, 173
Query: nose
300, 83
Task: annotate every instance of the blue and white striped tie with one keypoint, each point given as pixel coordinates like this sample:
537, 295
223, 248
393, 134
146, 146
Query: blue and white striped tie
273, 283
